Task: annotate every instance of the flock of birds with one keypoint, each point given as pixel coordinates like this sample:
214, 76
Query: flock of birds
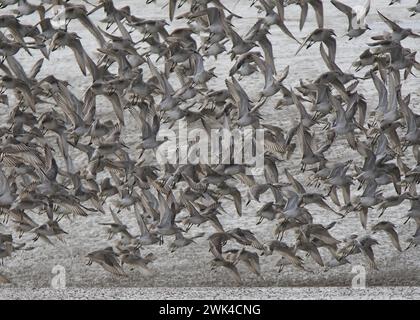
157, 76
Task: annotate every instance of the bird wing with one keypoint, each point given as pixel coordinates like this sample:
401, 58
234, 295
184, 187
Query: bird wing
216, 223
146, 130
155, 72
191, 209
280, 8
115, 217
395, 27
292, 201
116, 105
267, 48
334, 197
285, 30
36, 68
234, 271
305, 42
4, 184
394, 88
253, 263
314, 252
87, 23
216, 243
409, 118
305, 141
393, 235
3, 279
237, 200
301, 108
232, 91
332, 66
112, 265
367, 251
172, 7
244, 105
346, 193
125, 34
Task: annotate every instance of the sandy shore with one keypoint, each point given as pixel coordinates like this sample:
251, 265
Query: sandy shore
189, 266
